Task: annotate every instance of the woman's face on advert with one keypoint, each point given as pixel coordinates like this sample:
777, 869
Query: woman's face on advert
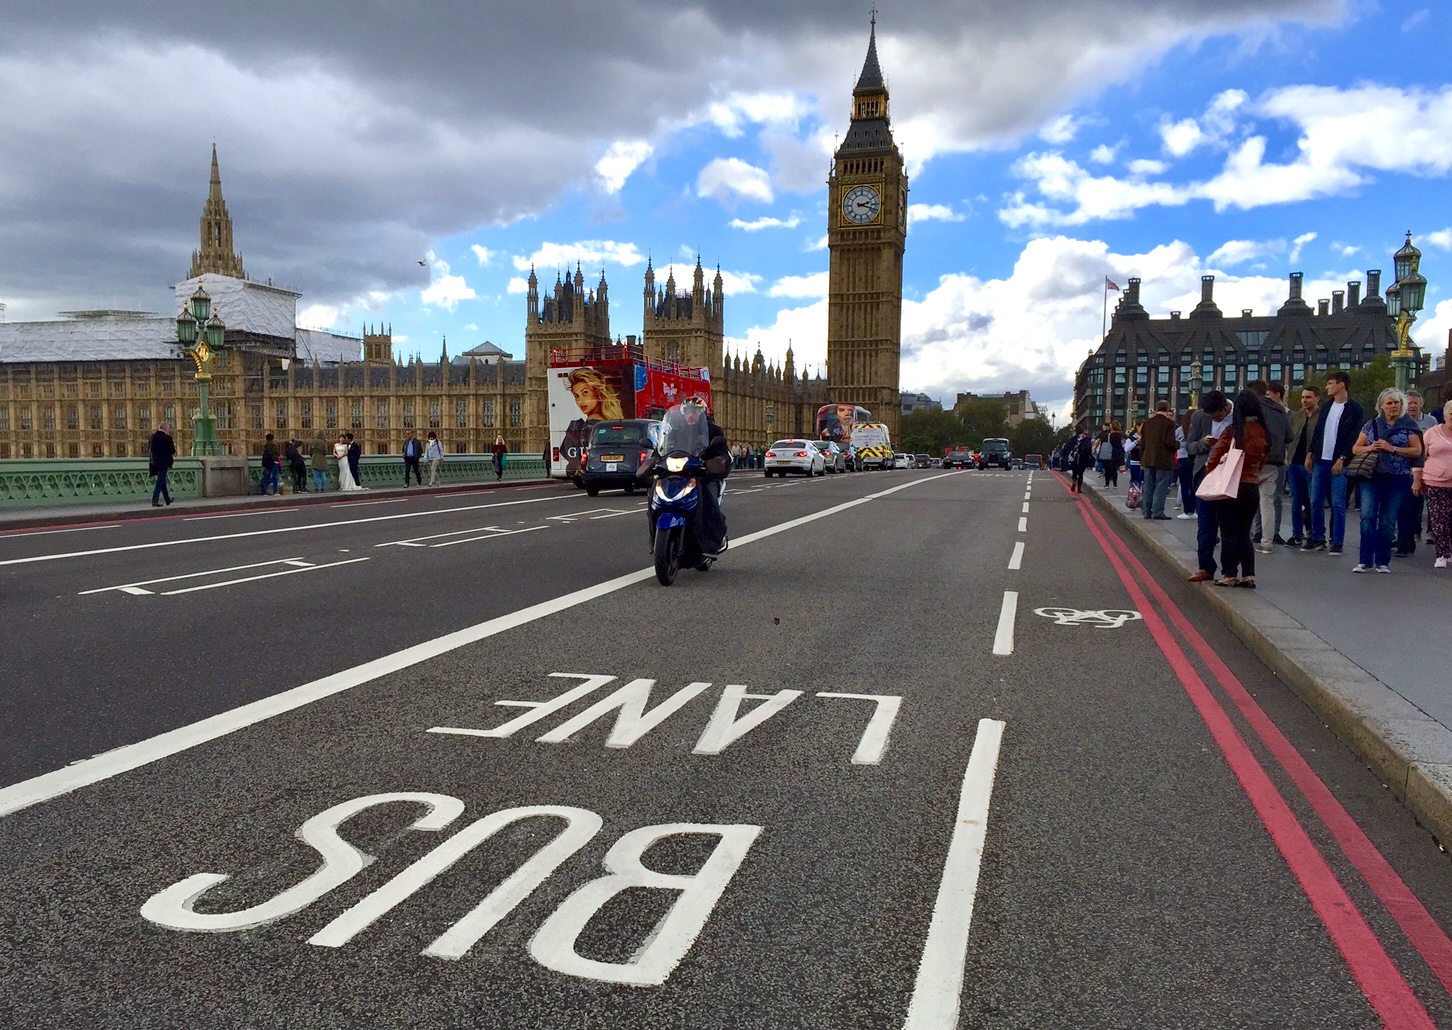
586, 397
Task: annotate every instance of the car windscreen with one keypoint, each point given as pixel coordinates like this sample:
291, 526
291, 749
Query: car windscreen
995, 445
606, 434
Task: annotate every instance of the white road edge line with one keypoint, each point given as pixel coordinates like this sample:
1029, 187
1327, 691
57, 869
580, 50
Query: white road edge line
1003, 639
1016, 562
127, 757
939, 988
237, 514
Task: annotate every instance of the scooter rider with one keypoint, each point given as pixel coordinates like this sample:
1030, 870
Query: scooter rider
710, 523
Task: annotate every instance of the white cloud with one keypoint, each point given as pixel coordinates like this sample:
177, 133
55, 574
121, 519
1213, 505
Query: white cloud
472, 327
622, 158
1299, 243
318, 316
803, 329
1238, 252
818, 244
518, 284
735, 283
584, 252
1215, 125
1143, 167
1061, 130
728, 177
1442, 238
484, 254
932, 213
1431, 332
732, 114
1416, 19
1103, 154
445, 291
814, 285
1345, 249
766, 223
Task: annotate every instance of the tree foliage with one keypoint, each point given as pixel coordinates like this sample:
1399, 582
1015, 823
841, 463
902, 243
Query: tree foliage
934, 431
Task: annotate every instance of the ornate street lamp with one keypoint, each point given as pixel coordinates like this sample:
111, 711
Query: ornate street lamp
200, 331
1404, 299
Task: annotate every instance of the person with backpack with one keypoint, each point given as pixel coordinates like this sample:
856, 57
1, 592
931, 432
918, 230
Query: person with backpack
1081, 457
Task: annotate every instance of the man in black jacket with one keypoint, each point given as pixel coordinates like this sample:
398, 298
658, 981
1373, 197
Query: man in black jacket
710, 522
355, 455
412, 452
163, 452
1337, 426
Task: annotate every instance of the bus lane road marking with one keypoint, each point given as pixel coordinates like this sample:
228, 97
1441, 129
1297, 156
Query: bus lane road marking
127, 757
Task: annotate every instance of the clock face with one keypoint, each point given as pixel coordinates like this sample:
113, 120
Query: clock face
861, 204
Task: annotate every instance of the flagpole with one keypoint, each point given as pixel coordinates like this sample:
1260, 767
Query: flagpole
1104, 314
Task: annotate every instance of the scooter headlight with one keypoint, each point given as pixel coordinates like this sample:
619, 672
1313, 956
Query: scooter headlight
676, 464
663, 494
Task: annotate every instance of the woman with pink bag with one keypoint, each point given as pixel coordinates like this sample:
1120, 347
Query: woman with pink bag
1434, 481
1235, 515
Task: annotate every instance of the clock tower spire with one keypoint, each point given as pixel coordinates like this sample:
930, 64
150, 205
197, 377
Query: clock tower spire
866, 235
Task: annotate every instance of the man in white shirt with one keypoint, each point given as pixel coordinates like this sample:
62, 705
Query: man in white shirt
1336, 430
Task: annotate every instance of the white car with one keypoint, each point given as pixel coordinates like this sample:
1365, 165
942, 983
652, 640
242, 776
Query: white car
902, 461
794, 456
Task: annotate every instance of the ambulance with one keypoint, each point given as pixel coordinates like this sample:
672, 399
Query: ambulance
872, 444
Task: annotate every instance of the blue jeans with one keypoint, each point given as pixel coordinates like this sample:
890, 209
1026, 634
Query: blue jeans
271, 477
320, 480
1409, 522
1300, 499
1381, 497
1185, 473
161, 491
1326, 487
1208, 529
1156, 489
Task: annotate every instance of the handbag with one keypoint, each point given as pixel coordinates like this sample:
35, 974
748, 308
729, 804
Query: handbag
1133, 498
1222, 483
1363, 466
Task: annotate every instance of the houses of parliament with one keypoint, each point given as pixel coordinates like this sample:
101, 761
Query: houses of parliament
94, 384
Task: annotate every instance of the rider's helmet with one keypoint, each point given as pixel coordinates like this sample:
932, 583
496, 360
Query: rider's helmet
694, 406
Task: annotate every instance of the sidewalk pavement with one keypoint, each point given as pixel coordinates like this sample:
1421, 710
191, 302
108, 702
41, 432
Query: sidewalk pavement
75, 514
1368, 652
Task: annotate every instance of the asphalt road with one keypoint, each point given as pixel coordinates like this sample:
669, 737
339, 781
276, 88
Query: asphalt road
923, 750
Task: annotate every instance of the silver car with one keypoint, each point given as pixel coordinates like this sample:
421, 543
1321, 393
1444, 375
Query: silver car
794, 456
834, 459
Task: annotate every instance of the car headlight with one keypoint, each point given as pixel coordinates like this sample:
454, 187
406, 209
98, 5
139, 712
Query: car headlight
676, 464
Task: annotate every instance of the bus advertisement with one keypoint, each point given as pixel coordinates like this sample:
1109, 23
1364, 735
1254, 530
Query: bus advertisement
835, 422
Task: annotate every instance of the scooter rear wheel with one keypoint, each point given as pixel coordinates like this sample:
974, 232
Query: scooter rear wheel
668, 547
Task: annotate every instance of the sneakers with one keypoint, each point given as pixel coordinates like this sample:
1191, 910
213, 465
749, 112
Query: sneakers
1440, 563
1359, 567
1263, 549
1334, 549
1186, 515
1294, 541
1314, 545
1278, 540
1383, 568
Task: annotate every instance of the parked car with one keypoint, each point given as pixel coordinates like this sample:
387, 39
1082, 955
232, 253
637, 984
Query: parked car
834, 459
995, 454
794, 456
902, 461
1033, 461
922, 461
958, 458
614, 451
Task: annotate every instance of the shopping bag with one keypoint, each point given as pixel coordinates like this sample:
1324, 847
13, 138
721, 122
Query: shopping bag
1131, 501
1222, 483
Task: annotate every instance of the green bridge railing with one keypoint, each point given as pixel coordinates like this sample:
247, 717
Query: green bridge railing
57, 481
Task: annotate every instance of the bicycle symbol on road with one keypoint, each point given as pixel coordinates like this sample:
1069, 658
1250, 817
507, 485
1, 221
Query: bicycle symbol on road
1109, 618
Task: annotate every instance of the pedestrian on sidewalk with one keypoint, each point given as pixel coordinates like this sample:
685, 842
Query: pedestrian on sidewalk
498, 451
1206, 426
355, 461
297, 465
434, 455
412, 453
1409, 519
163, 456
1297, 472
271, 467
1081, 458
1116, 454
1247, 431
1396, 441
1159, 446
1277, 423
319, 451
1330, 450
1132, 458
1432, 481
1185, 469
1103, 451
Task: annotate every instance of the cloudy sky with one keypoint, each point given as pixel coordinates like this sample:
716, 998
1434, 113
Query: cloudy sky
408, 162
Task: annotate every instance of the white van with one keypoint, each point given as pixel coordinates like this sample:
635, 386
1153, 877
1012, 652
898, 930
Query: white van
872, 444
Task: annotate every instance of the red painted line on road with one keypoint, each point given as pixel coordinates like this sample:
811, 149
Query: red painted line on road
1378, 977
1430, 940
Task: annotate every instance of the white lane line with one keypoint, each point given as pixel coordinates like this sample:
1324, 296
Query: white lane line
1003, 639
1023, 524
77, 529
418, 541
265, 575
1025, 507
359, 504
237, 514
489, 536
276, 530
128, 587
1016, 562
939, 986
133, 756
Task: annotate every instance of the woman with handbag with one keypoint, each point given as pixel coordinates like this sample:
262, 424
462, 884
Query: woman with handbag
1247, 434
1382, 463
1433, 480
1116, 454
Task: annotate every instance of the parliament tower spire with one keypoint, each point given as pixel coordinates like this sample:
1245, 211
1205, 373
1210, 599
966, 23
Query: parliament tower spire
216, 255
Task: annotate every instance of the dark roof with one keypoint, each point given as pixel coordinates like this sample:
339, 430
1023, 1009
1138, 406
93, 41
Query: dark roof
870, 81
868, 135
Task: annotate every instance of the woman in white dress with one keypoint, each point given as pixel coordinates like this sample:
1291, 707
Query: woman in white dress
346, 482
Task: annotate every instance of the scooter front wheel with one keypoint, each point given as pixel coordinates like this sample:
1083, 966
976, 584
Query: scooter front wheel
668, 545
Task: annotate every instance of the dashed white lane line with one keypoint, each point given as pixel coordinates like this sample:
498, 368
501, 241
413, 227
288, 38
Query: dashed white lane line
1016, 562
1023, 524
1003, 639
135, 588
1025, 507
939, 987
127, 757
266, 575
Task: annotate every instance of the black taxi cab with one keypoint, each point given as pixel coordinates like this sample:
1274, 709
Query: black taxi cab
615, 450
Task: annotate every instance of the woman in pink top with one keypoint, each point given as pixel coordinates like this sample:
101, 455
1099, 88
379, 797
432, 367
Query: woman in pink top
1434, 481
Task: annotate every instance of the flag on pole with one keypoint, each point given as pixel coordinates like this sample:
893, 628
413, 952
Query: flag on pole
1110, 285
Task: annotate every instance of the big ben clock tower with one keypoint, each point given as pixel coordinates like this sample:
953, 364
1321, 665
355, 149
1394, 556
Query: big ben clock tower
866, 233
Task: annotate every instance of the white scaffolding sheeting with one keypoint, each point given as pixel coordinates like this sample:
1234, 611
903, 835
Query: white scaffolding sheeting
89, 339
245, 305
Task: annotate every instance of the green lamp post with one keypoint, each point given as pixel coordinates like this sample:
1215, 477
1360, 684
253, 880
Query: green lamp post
200, 332
1404, 299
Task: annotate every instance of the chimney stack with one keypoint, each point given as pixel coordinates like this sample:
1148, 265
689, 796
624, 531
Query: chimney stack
1296, 278
1207, 289
1353, 293
1373, 282
1338, 301
1323, 307
1246, 312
